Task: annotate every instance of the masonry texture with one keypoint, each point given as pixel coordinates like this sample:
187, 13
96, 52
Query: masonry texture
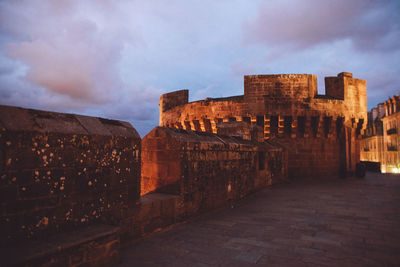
207, 170
322, 131
73, 188
71, 184
63, 172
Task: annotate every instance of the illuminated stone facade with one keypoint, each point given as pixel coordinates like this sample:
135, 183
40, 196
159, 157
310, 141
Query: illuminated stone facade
321, 132
372, 142
372, 149
380, 142
391, 122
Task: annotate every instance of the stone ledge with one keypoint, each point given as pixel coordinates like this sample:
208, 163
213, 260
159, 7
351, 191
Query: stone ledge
157, 211
93, 246
17, 119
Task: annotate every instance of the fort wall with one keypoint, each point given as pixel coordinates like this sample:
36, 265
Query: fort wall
283, 88
206, 170
173, 99
70, 184
323, 130
68, 175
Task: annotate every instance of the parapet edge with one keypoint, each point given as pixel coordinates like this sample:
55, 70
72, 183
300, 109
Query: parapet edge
286, 76
173, 99
14, 118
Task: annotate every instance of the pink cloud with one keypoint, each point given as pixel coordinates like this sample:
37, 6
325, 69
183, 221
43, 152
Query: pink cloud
67, 53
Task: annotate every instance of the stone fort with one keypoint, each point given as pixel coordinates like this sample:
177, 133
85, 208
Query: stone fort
322, 131
75, 188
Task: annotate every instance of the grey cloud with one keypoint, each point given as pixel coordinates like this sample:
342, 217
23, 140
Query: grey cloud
380, 83
370, 25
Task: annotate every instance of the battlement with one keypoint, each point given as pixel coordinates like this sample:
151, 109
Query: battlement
261, 88
286, 87
173, 99
287, 106
278, 88
276, 94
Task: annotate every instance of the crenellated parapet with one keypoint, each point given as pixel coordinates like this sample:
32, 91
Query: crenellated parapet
272, 101
286, 106
170, 100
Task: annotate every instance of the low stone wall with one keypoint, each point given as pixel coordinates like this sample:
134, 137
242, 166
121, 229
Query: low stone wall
205, 169
310, 158
93, 246
70, 184
61, 172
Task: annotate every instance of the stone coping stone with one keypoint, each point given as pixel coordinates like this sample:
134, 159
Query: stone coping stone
151, 197
31, 251
188, 136
19, 119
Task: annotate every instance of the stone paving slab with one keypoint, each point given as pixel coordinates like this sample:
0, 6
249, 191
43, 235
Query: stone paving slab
343, 222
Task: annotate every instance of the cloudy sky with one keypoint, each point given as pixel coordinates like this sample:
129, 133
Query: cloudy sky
115, 58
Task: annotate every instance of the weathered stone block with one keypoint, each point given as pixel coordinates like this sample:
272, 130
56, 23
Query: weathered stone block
213, 169
59, 173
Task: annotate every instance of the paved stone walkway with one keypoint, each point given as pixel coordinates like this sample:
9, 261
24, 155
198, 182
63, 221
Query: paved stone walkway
347, 222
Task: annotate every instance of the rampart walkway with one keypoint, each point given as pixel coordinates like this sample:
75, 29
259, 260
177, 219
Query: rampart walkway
349, 222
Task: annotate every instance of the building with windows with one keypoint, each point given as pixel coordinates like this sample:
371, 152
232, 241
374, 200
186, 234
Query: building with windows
371, 144
391, 122
381, 140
